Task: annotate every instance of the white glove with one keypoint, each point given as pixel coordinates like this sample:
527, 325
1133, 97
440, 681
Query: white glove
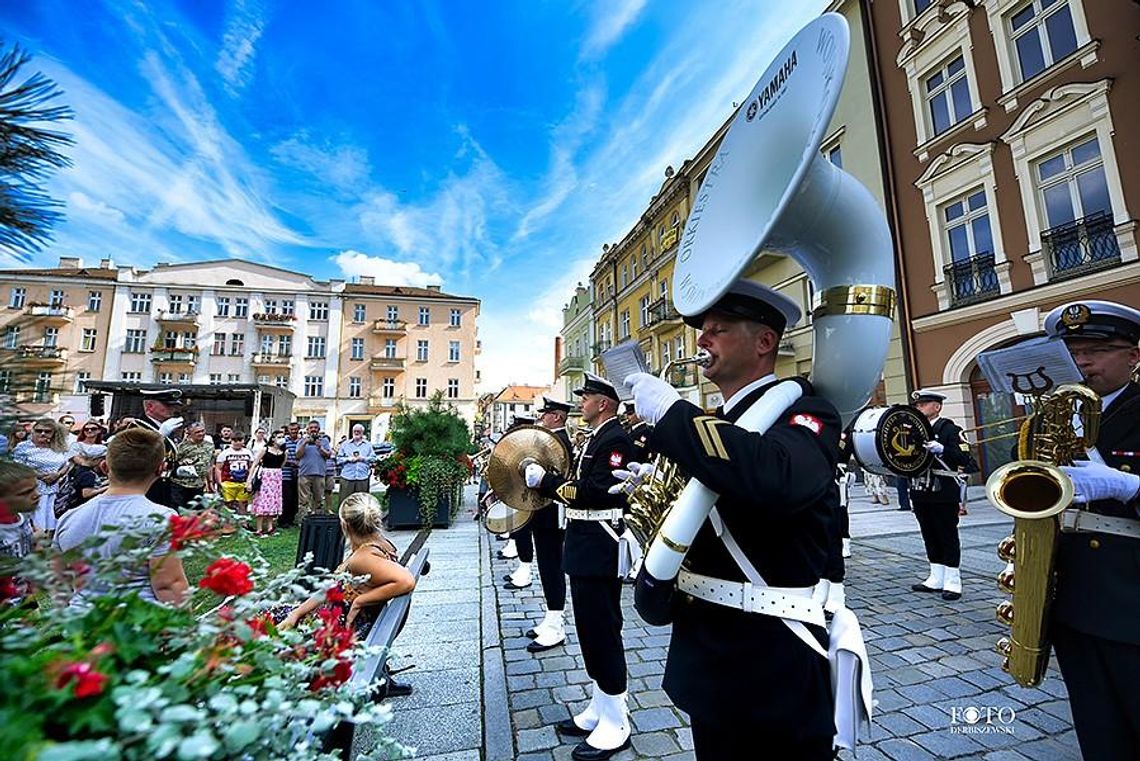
170, 426
533, 475
934, 446
185, 471
635, 475
652, 397
1094, 481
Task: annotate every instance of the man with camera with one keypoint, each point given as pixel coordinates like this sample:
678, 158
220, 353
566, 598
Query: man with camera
313, 451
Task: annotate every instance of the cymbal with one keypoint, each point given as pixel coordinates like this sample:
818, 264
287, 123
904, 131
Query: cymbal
501, 518
509, 458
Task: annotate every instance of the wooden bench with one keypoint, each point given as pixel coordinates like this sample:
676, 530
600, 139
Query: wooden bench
368, 675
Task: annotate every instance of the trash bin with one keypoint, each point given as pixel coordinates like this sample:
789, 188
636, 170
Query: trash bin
321, 535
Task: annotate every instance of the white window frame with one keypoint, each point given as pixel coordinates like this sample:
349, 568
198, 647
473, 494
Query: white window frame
317, 347
81, 378
453, 351
354, 387
963, 169
452, 388
51, 337
389, 348
222, 306
421, 388
388, 388
455, 319
1046, 126
237, 344
314, 386
319, 310
393, 313
18, 298
424, 317
175, 303
421, 350
999, 12
138, 299
356, 348
219, 345
133, 335
945, 90
241, 307
56, 299
359, 313
89, 340
94, 301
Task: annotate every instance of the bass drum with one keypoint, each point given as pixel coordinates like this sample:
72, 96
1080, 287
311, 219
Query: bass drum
888, 441
501, 518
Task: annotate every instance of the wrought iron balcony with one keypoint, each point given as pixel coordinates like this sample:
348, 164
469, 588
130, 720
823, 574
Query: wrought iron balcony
173, 356
167, 317
389, 326
51, 314
661, 312
42, 356
572, 364
1083, 245
265, 358
972, 280
273, 320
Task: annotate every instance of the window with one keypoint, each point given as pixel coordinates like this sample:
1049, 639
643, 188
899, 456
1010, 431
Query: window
193, 304
281, 381
288, 307
219, 344
270, 306
354, 387
284, 346
968, 227
643, 307
131, 376
421, 351
170, 340
393, 313
241, 307
81, 379
265, 340
18, 298
1072, 184
453, 351
314, 385
454, 318
56, 299
390, 348
666, 353
233, 378
94, 301
166, 378
358, 313
679, 347
223, 306
921, 5
88, 341
189, 340
140, 303
51, 337
358, 348
835, 156
5, 381
318, 310
176, 303
316, 347
1043, 34
625, 324
452, 388
136, 342
644, 257
42, 392
237, 344
215, 379
388, 388
624, 275
421, 388
425, 316
948, 96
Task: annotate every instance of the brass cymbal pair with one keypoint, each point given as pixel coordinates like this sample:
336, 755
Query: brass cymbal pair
506, 469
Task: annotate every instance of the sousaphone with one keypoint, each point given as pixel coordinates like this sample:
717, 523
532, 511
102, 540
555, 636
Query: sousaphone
508, 460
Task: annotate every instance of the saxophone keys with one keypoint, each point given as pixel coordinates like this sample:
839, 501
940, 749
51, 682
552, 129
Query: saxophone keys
1005, 647
1007, 549
1005, 613
1006, 580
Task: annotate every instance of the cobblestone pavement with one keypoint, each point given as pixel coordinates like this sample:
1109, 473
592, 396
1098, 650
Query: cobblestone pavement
931, 660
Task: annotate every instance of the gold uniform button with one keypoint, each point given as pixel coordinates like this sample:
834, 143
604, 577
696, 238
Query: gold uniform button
1094, 544
1126, 468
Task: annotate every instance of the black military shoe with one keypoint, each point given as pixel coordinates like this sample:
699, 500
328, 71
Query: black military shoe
512, 585
583, 751
531, 634
534, 647
568, 728
398, 689
920, 587
948, 595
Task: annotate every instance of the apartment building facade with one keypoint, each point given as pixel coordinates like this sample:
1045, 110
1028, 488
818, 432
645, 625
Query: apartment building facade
577, 342
348, 351
512, 402
1010, 125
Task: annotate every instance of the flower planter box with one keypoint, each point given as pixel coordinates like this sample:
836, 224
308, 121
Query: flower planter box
404, 510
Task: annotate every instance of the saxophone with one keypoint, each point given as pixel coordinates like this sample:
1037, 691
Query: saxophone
1034, 492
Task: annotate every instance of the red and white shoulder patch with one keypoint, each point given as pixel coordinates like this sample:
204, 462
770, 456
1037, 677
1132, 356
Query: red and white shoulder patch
811, 422
616, 459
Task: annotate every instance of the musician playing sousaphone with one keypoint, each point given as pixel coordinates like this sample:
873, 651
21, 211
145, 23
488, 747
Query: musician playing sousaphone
1096, 615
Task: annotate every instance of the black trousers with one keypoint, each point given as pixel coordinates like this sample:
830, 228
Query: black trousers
288, 502
728, 742
548, 547
1101, 677
181, 495
938, 522
597, 613
835, 569
524, 544
159, 492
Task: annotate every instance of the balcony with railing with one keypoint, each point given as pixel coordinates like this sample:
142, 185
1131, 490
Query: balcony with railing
274, 321
572, 365
382, 363
661, 314
972, 280
49, 314
600, 347
174, 355
269, 359
682, 376
389, 327
378, 403
1081, 246
186, 319
42, 356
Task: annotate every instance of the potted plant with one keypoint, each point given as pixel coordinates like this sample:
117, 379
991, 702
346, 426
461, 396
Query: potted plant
426, 472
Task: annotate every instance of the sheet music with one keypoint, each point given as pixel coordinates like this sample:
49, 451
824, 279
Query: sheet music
624, 359
1031, 367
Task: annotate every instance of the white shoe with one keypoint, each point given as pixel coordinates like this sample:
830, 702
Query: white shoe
587, 720
521, 577
550, 636
612, 730
509, 551
551, 617
836, 597
846, 548
934, 581
952, 584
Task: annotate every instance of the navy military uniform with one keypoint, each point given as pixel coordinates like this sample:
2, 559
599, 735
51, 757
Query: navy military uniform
935, 497
1096, 614
640, 432
160, 491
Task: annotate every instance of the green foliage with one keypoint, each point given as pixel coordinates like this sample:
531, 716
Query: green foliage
434, 431
432, 448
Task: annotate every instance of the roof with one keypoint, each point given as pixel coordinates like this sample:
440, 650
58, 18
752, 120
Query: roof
407, 291
92, 273
520, 393
191, 390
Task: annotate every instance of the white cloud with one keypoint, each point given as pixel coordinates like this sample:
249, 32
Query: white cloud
611, 19
81, 203
386, 271
244, 27
345, 167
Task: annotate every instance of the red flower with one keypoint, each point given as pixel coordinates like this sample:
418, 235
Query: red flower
9, 588
260, 624
186, 529
339, 674
226, 576
335, 594
103, 648
88, 681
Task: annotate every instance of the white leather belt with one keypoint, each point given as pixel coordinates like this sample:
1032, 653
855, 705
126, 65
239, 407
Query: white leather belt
1085, 521
792, 603
594, 515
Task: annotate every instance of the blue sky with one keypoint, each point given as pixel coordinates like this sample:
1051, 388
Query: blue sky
489, 147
